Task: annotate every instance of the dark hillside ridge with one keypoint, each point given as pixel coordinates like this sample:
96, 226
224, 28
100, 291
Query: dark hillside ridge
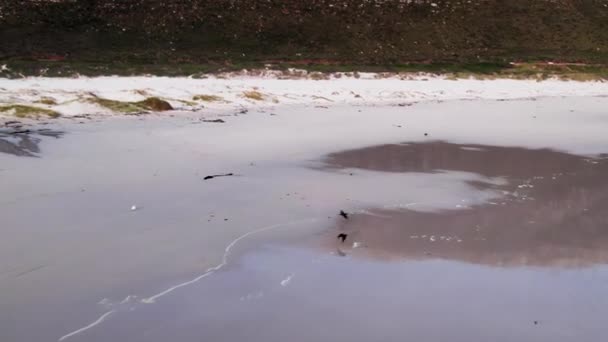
370, 32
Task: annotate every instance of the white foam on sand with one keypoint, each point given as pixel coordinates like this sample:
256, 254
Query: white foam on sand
286, 281
73, 94
210, 271
152, 299
85, 328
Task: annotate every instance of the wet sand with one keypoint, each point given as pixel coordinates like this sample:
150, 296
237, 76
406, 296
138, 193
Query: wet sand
24, 143
218, 259
279, 293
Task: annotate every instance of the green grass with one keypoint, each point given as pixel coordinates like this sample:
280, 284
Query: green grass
533, 69
254, 95
149, 104
208, 98
49, 101
117, 106
539, 72
29, 112
92, 68
63, 37
186, 102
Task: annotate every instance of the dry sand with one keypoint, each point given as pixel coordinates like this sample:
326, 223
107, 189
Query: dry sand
214, 95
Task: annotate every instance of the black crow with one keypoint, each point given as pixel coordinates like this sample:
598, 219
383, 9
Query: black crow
342, 236
344, 214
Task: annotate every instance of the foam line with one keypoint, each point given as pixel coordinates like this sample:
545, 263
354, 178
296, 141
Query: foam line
210, 271
76, 332
286, 281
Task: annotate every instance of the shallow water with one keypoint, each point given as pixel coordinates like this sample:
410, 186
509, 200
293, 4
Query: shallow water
75, 259
553, 209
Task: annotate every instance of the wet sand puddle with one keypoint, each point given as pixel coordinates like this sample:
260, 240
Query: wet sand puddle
529, 265
554, 209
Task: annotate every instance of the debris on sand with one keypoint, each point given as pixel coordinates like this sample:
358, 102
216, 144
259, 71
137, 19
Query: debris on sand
25, 131
344, 214
134, 208
214, 121
81, 116
216, 176
342, 237
11, 123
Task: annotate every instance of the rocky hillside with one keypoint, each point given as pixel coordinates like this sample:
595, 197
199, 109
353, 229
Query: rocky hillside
324, 31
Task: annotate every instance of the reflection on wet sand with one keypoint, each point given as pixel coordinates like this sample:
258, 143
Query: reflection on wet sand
554, 211
24, 143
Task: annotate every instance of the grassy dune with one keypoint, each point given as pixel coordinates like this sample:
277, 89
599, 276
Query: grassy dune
63, 38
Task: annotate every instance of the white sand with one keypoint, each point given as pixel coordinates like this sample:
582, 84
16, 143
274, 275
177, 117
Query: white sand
72, 94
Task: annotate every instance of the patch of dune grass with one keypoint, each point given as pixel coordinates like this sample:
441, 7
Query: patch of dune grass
208, 98
581, 77
117, 106
150, 104
254, 95
49, 101
186, 102
155, 104
319, 76
537, 71
22, 111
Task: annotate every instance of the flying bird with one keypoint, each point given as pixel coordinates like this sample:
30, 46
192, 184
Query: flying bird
344, 214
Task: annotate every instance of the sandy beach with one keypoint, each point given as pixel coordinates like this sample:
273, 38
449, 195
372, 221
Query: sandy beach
475, 206
234, 93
